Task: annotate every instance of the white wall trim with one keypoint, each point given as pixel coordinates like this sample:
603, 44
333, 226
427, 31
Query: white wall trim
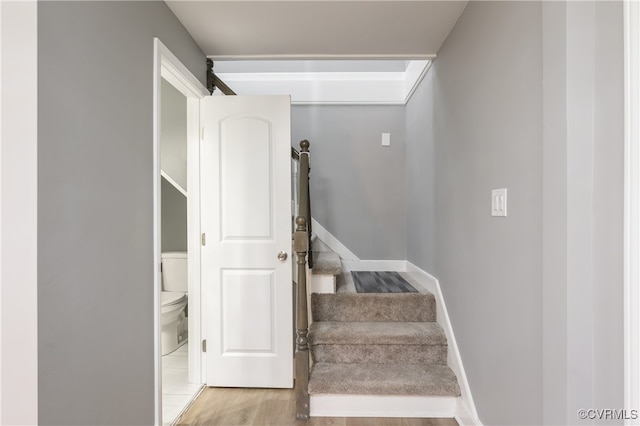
157, 283
382, 406
305, 57
632, 210
467, 409
179, 75
332, 242
415, 75
169, 67
464, 416
1, 239
197, 371
18, 212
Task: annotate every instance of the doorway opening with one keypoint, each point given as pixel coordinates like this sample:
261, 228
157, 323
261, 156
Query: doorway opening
178, 368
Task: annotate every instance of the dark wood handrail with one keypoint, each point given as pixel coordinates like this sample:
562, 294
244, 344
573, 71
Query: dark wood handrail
222, 86
214, 81
301, 243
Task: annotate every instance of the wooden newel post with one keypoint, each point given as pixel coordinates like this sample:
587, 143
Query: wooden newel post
301, 245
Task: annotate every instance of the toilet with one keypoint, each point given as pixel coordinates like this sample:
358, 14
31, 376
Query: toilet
173, 299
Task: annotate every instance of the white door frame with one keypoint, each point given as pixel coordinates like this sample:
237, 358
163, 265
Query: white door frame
18, 205
169, 67
632, 208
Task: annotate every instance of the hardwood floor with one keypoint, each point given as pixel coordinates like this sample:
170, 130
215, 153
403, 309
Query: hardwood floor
243, 407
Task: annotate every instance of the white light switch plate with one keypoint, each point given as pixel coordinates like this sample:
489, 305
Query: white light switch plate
499, 202
386, 139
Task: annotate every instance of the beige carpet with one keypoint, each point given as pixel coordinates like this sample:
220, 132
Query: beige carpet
378, 344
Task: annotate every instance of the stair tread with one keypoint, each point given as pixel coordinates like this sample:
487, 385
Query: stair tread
380, 354
326, 263
376, 333
383, 379
373, 307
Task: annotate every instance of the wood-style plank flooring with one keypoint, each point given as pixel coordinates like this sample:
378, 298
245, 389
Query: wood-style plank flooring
243, 407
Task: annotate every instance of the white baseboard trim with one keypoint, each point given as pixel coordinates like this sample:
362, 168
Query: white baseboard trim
463, 415
374, 265
382, 406
468, 414
332, 242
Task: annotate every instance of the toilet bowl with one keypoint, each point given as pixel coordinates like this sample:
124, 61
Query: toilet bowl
173, 299
173, 320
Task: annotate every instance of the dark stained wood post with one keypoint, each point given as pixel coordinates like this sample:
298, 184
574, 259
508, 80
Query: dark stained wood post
300, 242
301, 245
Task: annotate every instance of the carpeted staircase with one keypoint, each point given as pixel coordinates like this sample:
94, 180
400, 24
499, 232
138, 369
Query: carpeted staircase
378, 344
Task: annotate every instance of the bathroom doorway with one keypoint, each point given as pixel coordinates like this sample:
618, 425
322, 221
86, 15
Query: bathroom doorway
178, 366
177, 391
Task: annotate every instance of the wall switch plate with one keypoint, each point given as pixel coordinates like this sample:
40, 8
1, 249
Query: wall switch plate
499, 202
386, 139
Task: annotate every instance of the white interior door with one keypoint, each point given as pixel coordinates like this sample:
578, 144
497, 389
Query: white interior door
246, 216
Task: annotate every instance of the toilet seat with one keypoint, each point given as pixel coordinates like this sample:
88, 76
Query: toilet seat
168, 298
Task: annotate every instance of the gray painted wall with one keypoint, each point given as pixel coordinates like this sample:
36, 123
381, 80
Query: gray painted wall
554, 214
174, 218
357, 186
608, 327
526, 96
95, 207
420, 175
582, 213
594, 206
487, 132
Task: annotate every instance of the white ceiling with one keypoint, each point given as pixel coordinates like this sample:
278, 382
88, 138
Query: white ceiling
321, 51
318, 29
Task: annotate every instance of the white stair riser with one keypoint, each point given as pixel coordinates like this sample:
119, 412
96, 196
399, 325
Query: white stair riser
323, 284
382, 406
